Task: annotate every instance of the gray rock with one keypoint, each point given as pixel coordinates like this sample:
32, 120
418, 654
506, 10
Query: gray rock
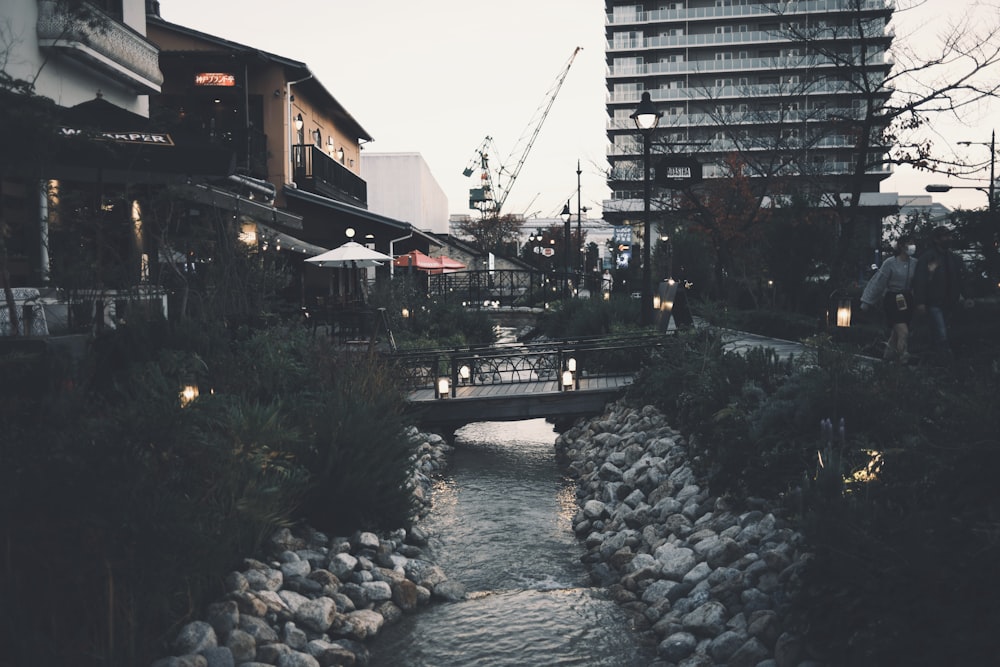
725, 645
364, 624
242, 646
296, 659
452, 591
594, 509
224, 617
258, 629
317, 615
377, 591
220, 656
677, 646
294, 636
751, 654
195, 637
675, 562
709, 619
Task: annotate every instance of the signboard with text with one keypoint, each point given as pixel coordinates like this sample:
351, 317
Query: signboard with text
223, 79
677, 171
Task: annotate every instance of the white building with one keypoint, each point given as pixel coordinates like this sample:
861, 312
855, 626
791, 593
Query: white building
401, 186
96, 49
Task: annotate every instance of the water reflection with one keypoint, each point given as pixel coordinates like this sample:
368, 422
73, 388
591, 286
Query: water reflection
501, 525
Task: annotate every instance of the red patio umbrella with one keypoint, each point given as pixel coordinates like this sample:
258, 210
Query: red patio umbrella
447, 265
417, 260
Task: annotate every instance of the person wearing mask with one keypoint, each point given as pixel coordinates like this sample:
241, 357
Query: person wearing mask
937, 288
892, 285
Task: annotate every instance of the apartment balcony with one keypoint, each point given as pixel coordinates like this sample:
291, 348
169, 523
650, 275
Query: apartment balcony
740, 92
317, 172
737, 38
742, 65
91, 37
803, 7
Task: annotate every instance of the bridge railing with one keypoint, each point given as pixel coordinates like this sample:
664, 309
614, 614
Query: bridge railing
520, 363
509, 287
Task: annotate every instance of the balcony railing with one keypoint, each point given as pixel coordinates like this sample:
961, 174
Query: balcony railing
749, 9
90, 36
317, 172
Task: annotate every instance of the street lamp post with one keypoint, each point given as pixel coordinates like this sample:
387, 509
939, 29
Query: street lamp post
990, 189
646, 119
993, 160
566, 217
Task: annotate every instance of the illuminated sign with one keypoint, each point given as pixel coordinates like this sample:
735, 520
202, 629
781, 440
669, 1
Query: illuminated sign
215, 79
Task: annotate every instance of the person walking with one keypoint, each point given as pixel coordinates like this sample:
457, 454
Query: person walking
607, 282
937, 288
892, 284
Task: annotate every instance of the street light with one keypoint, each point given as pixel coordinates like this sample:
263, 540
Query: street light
993, 160
646, 119
566, 217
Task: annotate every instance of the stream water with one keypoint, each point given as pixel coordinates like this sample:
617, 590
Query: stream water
501, 525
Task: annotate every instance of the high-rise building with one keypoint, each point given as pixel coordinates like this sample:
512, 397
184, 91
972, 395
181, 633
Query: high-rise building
785, 84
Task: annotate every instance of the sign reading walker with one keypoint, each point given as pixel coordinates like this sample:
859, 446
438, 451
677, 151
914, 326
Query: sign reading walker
677, 171
147, 138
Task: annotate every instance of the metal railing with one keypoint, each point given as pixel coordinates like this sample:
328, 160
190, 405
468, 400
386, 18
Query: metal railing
504, 287
524, 362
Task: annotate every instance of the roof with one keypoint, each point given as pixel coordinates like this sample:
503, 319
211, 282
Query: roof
294, 69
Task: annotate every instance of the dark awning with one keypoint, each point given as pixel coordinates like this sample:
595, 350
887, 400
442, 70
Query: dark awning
233, 203
288, 243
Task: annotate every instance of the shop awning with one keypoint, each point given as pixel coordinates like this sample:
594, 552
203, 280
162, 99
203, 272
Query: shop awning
237, 205
288, 243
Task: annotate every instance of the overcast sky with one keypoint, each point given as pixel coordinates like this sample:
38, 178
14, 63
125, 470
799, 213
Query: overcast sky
437, 77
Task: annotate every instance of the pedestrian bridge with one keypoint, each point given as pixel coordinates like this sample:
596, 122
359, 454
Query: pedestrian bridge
556, 380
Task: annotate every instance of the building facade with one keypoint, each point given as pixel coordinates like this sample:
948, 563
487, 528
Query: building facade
401, 185
786, 84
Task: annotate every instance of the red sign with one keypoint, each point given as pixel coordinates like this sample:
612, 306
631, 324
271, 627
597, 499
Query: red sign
215, 79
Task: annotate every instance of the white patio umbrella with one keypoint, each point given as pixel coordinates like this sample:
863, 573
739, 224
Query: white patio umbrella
350, 255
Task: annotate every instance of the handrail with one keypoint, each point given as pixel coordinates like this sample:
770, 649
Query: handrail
541, 361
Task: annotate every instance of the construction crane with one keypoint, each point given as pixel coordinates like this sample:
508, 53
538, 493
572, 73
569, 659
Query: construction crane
494, 187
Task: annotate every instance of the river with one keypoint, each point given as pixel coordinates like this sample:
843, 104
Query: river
501, 525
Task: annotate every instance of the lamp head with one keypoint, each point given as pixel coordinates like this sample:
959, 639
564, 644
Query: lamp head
646, 116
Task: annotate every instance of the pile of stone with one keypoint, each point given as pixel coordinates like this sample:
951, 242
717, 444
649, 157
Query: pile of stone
314, 601
706, 582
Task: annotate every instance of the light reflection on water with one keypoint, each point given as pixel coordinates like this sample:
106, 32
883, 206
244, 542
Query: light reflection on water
501, 524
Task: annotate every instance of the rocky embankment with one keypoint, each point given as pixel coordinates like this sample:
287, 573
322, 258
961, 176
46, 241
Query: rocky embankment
313, 600
704, 580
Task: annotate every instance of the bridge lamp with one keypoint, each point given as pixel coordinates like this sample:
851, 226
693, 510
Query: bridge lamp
567, 380
571, 364
844, 313
443, 387
406, 313
188, 394
464, 373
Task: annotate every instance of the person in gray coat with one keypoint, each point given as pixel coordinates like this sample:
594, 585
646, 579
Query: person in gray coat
892, 286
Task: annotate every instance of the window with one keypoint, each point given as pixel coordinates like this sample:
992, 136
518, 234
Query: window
113, 8
719, 83
724, 55
721, 29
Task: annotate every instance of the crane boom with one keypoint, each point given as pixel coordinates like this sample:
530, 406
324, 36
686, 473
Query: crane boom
492, 194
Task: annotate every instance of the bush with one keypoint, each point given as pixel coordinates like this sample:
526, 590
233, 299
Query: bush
576, 318
133, 507
899, 553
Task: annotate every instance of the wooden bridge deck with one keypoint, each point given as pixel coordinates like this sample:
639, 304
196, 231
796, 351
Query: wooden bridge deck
516, 401
523, 389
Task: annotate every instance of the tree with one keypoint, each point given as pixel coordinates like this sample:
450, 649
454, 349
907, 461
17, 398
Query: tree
891, 114
493, 234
